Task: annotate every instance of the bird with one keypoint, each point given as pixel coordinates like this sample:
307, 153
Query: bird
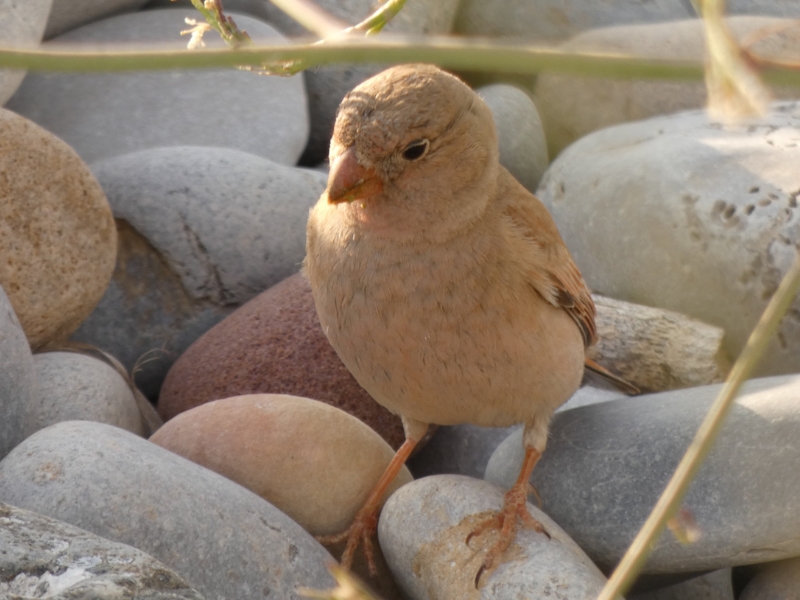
441, 282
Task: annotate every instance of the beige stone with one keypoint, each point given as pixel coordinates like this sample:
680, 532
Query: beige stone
57, 234
314, 462
571, 106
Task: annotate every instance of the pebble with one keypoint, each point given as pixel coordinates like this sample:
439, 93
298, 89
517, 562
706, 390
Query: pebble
572, 107
46, 558
272, 344
23, 25
595, 453
17, 379
224, 540
554, 20
68, 14
202, 230
312, 461
661, 212
523, 148
102, 115
775, 581
72, 386
423, 530
465, 449
57, 236
716, 585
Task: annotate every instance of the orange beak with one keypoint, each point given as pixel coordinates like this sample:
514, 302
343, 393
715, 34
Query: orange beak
349, 181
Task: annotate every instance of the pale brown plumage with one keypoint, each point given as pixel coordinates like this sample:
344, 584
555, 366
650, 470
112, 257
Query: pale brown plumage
441, 282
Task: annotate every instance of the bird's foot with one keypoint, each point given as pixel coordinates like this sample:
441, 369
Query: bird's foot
507, 520
360, 531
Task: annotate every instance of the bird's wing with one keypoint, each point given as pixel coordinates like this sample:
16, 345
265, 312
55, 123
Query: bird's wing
548, 264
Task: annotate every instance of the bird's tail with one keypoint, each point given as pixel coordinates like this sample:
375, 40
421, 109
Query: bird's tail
623, 385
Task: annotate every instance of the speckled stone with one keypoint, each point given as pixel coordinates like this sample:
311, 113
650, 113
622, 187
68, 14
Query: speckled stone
72, 386
661, 212
716, 585
102, 115
273, 344
57, 235
572, 106
17, 379
224, 540
202, 230
423, 531
46, 558
606, 465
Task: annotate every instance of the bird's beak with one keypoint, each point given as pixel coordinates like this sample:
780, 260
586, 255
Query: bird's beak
349, 181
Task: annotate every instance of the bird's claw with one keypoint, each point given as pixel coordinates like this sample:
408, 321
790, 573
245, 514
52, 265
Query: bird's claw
360, 531
514, 509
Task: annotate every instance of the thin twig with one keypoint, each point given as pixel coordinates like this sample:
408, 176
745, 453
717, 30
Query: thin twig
312, 17
378, 20
669, 502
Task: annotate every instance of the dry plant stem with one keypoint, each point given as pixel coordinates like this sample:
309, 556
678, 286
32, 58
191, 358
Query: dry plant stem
669, 502
378, 20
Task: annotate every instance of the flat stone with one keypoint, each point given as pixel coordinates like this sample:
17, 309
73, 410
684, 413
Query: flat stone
716, 585
775, 581
523, 148
572, 106
68, 14
223, 539
661, 213
423, 530
553, 20
57, 235
193, 247
103, 115
466, 449
23, 25
273, 344
17, 379
46, 558
606, 465
72, 386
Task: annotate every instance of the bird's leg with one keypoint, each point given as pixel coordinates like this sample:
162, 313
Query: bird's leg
365, 523
514, 509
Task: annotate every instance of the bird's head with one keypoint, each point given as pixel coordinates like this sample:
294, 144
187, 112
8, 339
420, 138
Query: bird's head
413, 149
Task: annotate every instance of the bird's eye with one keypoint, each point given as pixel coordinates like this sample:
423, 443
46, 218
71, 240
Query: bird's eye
416, 149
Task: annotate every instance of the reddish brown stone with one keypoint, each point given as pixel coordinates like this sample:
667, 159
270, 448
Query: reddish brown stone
273, 344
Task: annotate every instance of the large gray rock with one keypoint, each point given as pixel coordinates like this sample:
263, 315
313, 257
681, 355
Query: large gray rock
523, 148
553, 20
423, 530
23, 25
228, 543
68, 14
17, 379
573, 106
109, 114
202, 230
606, 465
76, 387
465, 449
46, 558
662, 213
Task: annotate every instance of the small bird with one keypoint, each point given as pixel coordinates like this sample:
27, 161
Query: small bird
442, 283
